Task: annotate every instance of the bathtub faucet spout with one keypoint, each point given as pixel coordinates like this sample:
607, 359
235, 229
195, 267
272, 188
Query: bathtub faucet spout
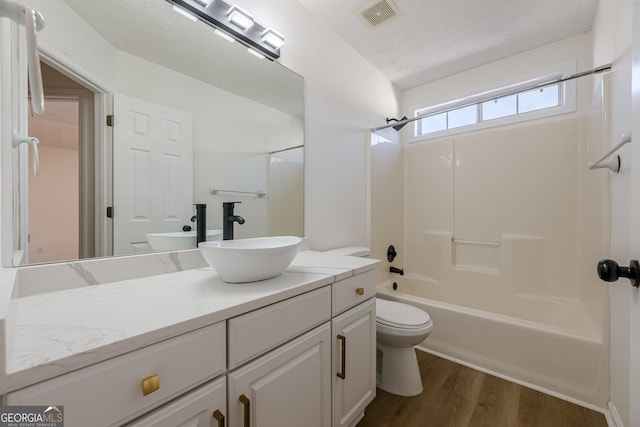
400, 271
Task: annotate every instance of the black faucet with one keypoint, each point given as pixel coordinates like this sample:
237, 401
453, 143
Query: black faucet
201, 222
228, 218
400, 271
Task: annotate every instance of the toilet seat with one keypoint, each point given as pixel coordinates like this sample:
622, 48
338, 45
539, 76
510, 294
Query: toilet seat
401, 316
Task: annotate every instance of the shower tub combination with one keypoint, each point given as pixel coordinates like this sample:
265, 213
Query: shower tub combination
501, 240
550, 345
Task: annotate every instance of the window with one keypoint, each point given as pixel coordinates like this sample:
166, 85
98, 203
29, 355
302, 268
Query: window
434, 123
514, 107
462, 117
538, 99
500, 107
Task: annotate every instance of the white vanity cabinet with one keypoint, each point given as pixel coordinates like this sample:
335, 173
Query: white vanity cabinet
323, 378
307, 359
288, 387
354, 355
117, 390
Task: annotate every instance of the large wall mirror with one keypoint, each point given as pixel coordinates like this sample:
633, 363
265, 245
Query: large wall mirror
196, 119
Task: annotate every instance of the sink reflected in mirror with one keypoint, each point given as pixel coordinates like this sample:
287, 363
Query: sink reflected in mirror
162, 242
250, 260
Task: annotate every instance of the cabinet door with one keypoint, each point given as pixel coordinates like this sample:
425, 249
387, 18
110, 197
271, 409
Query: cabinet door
354, 362
203, 407
288, 387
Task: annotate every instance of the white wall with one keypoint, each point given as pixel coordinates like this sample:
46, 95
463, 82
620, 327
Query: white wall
514, 69
387, 204
611, 43
344, 97
89, 53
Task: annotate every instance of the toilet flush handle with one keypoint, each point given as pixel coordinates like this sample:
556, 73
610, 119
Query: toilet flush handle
610, 271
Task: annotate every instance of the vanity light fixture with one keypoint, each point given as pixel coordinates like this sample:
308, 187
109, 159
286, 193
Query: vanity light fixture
224, 35
255, 53
272, 38
231, 21
180, 11
240, 17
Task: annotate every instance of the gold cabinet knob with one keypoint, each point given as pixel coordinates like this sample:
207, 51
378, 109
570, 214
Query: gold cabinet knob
150, 384
360, 291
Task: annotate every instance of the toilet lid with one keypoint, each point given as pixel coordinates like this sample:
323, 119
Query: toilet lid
400, 315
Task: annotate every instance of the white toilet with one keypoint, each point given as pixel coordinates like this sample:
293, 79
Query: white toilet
399, 327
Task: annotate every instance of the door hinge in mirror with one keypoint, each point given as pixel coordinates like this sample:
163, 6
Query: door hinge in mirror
110, 120
109, 211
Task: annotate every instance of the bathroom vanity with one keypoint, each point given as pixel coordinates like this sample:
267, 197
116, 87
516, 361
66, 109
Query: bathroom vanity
167, 349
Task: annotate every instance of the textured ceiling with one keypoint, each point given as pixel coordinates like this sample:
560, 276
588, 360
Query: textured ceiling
430, 39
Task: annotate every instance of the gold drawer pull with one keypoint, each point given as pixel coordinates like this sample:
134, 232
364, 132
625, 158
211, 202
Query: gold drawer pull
342, 374
150, 384
360, 291
247, 410
217, 415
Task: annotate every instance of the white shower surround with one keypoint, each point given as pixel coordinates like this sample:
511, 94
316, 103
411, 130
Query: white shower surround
499, 231
503, 229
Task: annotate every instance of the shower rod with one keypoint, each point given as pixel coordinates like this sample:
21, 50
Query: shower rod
596, 70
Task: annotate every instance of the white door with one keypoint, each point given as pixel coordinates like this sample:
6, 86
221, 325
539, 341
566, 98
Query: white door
152, 172
634, 293
354, 375
288, 387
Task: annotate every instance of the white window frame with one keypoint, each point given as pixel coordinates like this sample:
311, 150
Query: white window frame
567, 104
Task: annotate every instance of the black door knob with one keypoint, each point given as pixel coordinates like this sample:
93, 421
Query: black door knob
610, 271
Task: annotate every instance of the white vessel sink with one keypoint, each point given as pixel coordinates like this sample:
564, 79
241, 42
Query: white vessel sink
178, 240
250, 260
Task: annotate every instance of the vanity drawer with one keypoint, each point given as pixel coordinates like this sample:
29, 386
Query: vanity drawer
353, 291
111, 392
261, 330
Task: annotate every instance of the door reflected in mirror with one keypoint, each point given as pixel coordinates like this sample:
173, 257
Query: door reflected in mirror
195, 119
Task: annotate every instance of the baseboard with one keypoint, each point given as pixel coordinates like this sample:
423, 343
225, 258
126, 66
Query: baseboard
613, 417
587, 405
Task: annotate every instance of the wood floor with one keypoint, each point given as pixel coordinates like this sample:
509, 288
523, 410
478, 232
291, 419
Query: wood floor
457, 396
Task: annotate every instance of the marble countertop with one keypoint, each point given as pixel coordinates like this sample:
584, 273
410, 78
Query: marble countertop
48, 334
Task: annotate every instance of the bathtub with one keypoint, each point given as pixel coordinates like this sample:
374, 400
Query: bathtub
552, 346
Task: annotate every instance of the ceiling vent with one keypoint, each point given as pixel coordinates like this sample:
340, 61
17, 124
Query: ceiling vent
378, 12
